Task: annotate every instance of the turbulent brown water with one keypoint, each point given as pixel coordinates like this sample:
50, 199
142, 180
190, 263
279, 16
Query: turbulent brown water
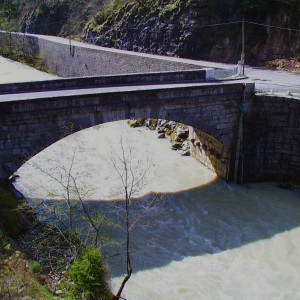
208, 239
221, 242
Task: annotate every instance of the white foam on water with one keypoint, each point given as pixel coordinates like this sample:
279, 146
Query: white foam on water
267, 269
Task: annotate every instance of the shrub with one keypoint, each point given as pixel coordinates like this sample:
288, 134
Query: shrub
89, 276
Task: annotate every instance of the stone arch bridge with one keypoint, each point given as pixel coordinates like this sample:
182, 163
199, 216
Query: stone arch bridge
255, 137
31, 121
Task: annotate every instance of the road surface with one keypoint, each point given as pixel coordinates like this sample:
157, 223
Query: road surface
272, 81
266, 80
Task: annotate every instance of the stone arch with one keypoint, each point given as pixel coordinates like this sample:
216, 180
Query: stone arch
30, 125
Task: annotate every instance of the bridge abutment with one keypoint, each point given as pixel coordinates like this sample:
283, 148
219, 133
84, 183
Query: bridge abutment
272, 139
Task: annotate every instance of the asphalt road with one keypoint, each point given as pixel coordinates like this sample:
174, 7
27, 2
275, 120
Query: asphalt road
272, 81
266, 80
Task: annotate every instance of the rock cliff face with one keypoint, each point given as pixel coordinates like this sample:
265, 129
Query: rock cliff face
176, 27
55, 17
179, 28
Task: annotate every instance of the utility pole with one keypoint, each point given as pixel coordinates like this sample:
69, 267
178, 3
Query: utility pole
243, 47
69, 28
238, 154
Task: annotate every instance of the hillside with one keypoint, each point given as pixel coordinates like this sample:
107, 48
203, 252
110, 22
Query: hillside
173, 27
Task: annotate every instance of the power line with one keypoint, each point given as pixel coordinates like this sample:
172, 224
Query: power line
270, 26
217, 24
178, 27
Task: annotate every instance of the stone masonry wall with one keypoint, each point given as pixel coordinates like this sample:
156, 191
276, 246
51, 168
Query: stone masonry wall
271, 140
77, 59
27, 126
104, 81
210, 152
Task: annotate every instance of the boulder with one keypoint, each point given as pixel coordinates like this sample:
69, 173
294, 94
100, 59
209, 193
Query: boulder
181, 133
186, 153
161, 129
151, 123
176, 146
137, 122
163, 123
172, 125
185, 145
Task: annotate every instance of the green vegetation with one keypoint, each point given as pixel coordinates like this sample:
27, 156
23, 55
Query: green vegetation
88, 277
9, 13
171, 8
24, 278
19, 281
19, 277
30, 59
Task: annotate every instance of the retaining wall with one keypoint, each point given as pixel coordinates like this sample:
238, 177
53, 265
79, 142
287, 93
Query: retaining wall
271, 139
79, 59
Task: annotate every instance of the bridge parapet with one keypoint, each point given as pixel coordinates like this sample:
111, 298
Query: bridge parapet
105, 81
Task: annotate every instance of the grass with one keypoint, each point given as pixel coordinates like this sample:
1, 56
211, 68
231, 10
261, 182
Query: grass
17, 281
19, 277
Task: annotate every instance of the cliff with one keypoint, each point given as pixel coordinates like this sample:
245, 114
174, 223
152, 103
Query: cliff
176, 27
180, 28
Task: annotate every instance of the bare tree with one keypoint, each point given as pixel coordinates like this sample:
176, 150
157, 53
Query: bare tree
69, 215
132, 169
130, 166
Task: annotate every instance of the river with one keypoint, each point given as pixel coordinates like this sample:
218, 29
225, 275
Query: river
221, 242
207, 239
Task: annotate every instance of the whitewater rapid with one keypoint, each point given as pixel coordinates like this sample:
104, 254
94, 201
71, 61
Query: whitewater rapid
221, 242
